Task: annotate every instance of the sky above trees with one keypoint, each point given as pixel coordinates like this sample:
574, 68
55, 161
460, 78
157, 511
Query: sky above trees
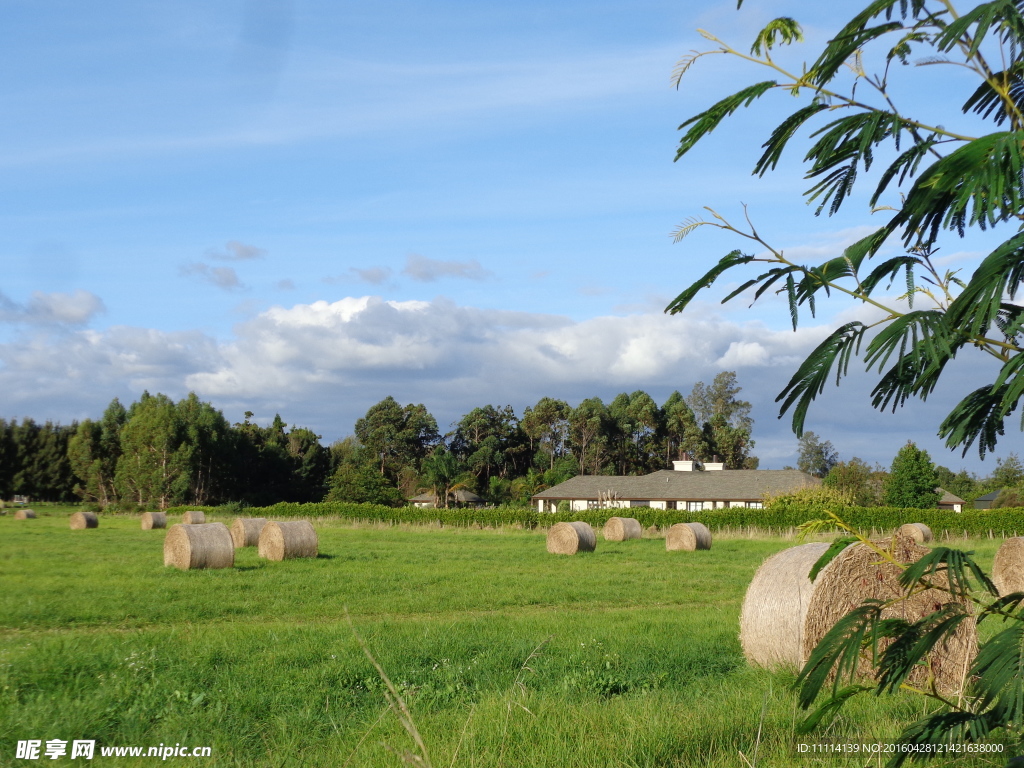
304, 207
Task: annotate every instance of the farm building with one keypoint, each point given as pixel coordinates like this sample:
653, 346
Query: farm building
684, 487
986, 501
950, 501
462, 498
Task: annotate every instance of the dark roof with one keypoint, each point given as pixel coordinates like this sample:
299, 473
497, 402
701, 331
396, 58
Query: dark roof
666, 484
990, 496
461, 496
949, 498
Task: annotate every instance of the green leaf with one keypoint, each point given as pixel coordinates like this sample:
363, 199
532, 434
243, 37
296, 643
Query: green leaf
999, 275
998, 670
783, 30
707, 121
732, 259
976, 418
827, 712
1001, 14
989, 102
837, 546
956, 565
782, 134
810, 379
913, 642
979, 184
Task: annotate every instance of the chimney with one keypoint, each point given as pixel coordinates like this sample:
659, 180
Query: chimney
713, 466
685, 465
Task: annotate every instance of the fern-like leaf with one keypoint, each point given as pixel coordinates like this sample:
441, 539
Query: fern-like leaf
733, 259
707, 121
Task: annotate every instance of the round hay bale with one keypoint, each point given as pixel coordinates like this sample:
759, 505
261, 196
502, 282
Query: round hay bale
652, 532
283, 541
687, 537
570, 538
82, 520
245, 531
775, 608
1008, 568
858, 573
193, 517
919, 532
199, 546
151, 520
25, 514
622, 528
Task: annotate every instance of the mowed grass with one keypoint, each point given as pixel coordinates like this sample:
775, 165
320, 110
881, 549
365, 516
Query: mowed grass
506, 656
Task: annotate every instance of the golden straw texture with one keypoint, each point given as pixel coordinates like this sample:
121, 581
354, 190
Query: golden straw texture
199, 546
687, 537
82, 520
621, 529
25, 514
194, 517
245, 531
151, 520
775, 608
570, 538
858, 573
919, 532
283, 541
1008, 568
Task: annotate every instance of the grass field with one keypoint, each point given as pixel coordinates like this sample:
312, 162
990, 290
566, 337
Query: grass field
506, 656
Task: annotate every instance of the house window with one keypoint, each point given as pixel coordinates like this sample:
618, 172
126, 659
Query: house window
696, 506
670, 505
593, 504
755, 505
636, 503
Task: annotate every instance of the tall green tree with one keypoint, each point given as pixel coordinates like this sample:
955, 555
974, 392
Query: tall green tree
153, 467
939, 180
725, 420
546, 424
858, 480
814, 456
589, 428
398, 436
912, 481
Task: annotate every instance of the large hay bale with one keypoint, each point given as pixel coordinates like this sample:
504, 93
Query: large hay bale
199, 546
858, 573
687, 537
570, 538
245, 531
919, 532
151, 520
1008, 568
622, 528
82, 520
25, 514
193, 517
775, 608
283, 541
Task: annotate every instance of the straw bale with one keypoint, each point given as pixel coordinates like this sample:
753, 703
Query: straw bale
151, 520
652, 532
919, 532
283, 541
245, 531
775, 607
25, 514
193, 517
199, 546
687, 537
82, 520
621, 529
858, 573
570, 538
1008, 568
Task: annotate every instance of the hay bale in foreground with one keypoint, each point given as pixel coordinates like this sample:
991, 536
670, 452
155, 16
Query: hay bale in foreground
570, 538
858, 573
621, 529
25, 514
784, 615
82, 520
1008, 568
283, 541
775, 608
687, 537
193, 517
199, 546
151, 520
919, 532
245, 531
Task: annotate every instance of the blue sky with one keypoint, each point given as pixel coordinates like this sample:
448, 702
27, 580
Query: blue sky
303, 207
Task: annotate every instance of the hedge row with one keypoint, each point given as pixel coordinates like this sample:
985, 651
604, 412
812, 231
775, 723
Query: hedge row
781, 517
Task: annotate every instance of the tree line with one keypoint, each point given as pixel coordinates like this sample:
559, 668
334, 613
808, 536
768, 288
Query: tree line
157, 453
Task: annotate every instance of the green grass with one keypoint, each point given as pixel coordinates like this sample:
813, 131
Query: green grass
638, 661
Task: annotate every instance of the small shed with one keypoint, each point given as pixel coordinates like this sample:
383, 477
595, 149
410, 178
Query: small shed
950, 502
462, 498
986, 501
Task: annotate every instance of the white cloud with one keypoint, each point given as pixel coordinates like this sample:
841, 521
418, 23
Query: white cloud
424, 270
222, 277
76, 308
236, 251
323, 364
